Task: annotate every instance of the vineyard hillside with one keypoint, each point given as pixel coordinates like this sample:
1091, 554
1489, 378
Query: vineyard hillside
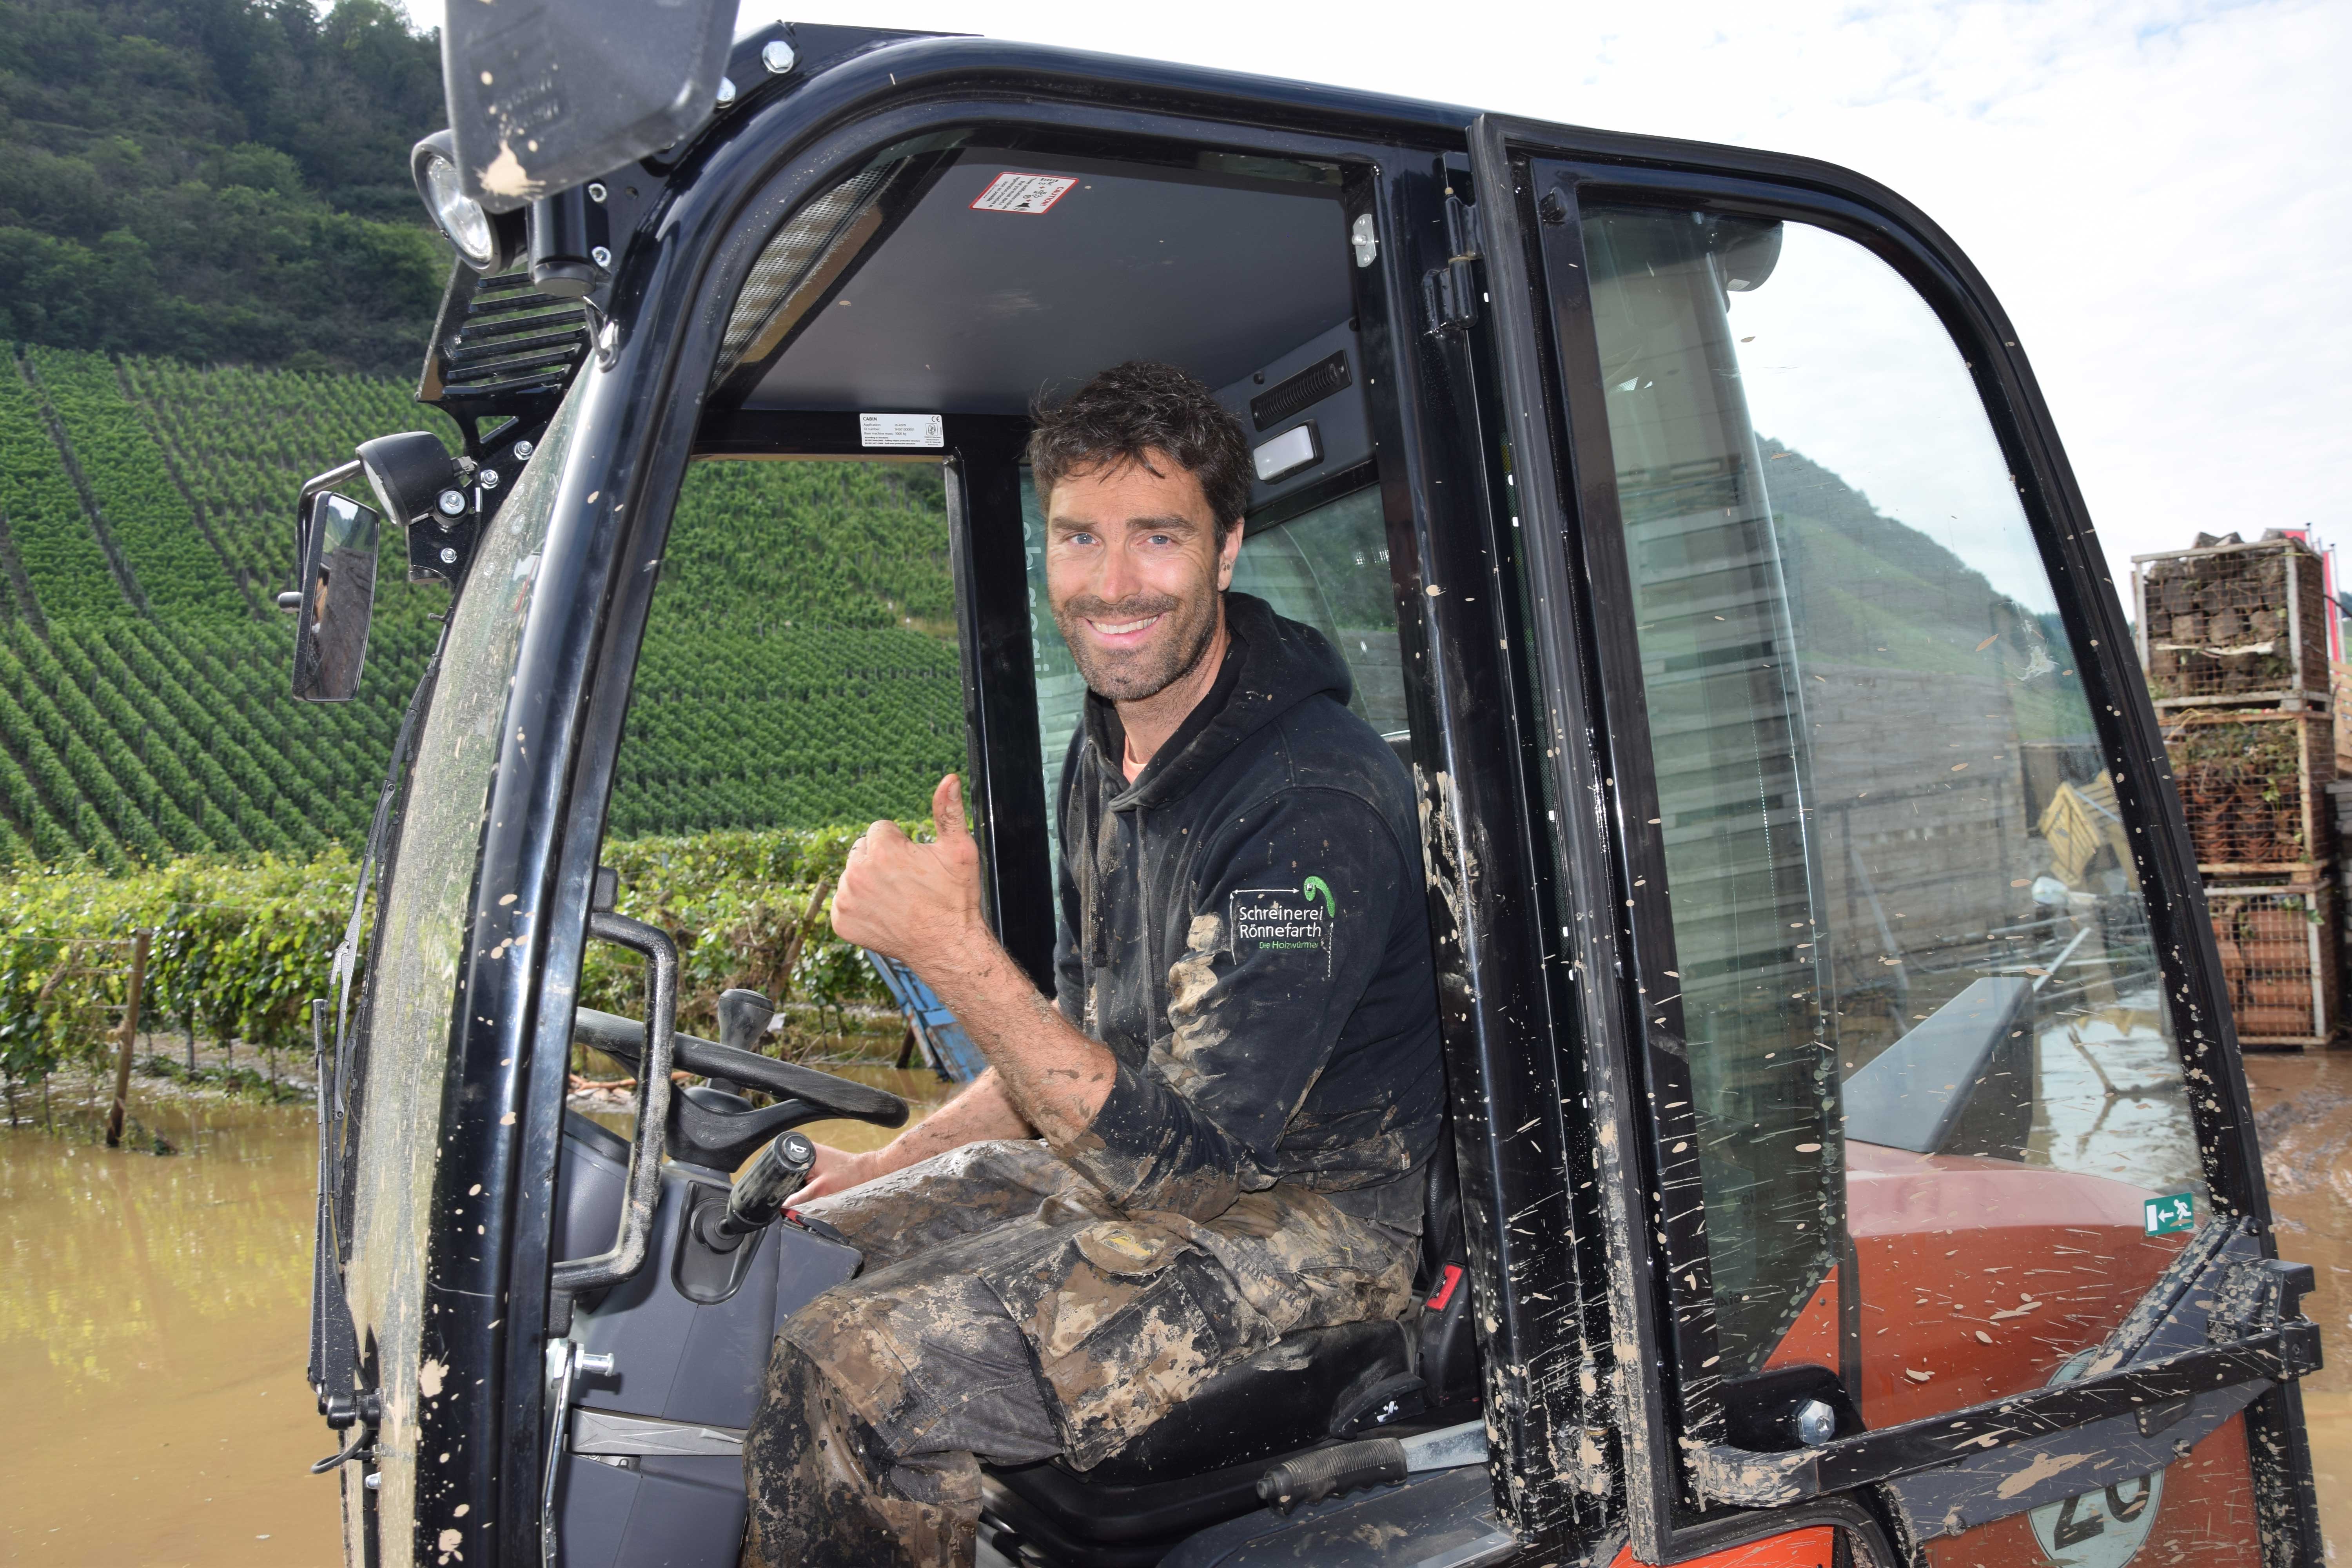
798, 670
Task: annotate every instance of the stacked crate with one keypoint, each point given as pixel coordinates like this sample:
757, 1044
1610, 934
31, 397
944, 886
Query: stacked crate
2233, 637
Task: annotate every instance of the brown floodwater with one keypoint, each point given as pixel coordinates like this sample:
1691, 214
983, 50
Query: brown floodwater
154, 1323
2303, 1106
152, 1337
154, 1327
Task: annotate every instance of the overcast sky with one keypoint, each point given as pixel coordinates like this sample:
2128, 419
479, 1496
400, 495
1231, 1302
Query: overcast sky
2157, 189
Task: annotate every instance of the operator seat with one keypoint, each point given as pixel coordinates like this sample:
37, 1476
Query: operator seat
1200, 1463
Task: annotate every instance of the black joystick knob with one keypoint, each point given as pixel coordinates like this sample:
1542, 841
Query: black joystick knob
743, 1017
759, 1195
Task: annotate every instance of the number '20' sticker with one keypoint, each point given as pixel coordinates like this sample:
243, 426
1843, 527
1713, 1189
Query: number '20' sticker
2103, 1528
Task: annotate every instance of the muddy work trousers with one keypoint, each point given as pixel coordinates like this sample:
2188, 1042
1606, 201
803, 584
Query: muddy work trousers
1008, 1312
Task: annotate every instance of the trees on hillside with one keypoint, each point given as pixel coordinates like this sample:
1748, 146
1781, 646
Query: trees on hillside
217, 179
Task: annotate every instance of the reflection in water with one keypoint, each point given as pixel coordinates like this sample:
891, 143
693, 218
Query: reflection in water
154, 1326
2109, 1102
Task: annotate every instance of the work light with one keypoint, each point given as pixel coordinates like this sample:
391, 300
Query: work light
487, 243
413, 476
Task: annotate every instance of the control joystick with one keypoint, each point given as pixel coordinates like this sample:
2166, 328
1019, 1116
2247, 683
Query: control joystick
759, 1195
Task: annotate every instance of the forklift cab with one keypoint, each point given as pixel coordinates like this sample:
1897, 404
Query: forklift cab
1849, 1158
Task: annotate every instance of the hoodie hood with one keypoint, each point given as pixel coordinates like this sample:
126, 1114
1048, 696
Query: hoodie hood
1282, 664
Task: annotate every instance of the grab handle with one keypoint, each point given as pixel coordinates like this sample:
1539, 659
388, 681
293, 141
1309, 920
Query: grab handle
572, 1277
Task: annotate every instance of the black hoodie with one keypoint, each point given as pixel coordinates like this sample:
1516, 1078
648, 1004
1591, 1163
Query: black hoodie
1245, 926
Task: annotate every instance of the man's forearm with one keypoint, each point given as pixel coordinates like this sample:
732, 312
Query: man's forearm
1052, 1076
980, 1114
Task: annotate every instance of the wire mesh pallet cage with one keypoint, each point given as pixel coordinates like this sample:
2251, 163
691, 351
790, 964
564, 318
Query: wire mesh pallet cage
2253, 784
2340, 678
2279, 957
2233, 624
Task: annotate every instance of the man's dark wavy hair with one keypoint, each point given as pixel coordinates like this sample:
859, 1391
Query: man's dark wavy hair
1133, 409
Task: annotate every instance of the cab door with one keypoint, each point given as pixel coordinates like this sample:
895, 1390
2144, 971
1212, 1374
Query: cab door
1923, 1153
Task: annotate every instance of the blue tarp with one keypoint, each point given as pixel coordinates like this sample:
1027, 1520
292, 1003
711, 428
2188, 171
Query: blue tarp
941, 1039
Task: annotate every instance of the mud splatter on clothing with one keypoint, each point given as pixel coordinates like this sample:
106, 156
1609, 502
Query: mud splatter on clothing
1009, 1312
1245, 927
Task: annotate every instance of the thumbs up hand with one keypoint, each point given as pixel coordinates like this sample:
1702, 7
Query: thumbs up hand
917, 903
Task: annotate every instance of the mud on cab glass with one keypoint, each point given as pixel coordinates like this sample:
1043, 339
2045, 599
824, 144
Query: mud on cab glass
1935, 1175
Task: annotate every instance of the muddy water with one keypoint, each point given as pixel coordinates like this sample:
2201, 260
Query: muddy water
153, 1324
152, 1336
2303, 1106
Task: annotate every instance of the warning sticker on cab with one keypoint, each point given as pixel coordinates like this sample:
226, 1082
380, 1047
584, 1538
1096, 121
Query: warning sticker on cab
901, 430
1284, 920
1030, 193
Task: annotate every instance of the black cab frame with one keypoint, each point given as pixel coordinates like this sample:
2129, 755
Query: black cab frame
1795, 1223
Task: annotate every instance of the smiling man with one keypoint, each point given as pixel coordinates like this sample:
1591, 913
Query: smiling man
1213, 1133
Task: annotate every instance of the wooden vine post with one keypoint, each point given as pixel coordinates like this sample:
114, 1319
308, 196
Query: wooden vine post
130, 1036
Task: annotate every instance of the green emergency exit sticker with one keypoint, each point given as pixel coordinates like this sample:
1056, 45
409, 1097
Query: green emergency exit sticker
2165, 1215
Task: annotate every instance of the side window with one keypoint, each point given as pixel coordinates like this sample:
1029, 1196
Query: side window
1937, 1110
1328, 567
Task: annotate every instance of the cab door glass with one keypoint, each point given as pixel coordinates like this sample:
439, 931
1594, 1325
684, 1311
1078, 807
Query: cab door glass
800, 661
1911, 963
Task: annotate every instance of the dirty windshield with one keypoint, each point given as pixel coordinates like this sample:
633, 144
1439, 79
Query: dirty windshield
1941, 1125
424, 911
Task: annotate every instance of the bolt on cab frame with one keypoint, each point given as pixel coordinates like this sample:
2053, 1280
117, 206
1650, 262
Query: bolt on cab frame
1850, 1159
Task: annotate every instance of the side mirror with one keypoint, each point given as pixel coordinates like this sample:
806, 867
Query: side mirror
337, 598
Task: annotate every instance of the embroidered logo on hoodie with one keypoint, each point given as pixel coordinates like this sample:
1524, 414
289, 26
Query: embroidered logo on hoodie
1285, 919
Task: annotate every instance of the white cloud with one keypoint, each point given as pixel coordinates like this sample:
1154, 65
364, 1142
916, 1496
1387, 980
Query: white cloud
2154, 188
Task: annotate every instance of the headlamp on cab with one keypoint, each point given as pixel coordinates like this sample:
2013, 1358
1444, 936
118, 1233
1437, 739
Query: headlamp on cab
487, 242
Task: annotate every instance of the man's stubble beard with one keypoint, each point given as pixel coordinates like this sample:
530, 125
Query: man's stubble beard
1151, 670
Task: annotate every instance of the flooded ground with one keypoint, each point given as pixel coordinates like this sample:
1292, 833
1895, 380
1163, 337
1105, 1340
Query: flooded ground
2303, 1106
154, 1321
153, 1335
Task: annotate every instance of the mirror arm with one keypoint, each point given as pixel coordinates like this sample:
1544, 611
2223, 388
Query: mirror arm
292, 600
576, 1277
326, 481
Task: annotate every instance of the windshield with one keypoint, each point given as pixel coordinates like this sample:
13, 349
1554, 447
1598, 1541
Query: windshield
415, 983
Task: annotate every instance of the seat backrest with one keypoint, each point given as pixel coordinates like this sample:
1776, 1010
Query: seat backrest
1449, 1343
1441, 1211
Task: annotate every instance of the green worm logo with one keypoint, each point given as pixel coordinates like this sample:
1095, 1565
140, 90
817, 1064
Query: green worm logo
1318, 885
